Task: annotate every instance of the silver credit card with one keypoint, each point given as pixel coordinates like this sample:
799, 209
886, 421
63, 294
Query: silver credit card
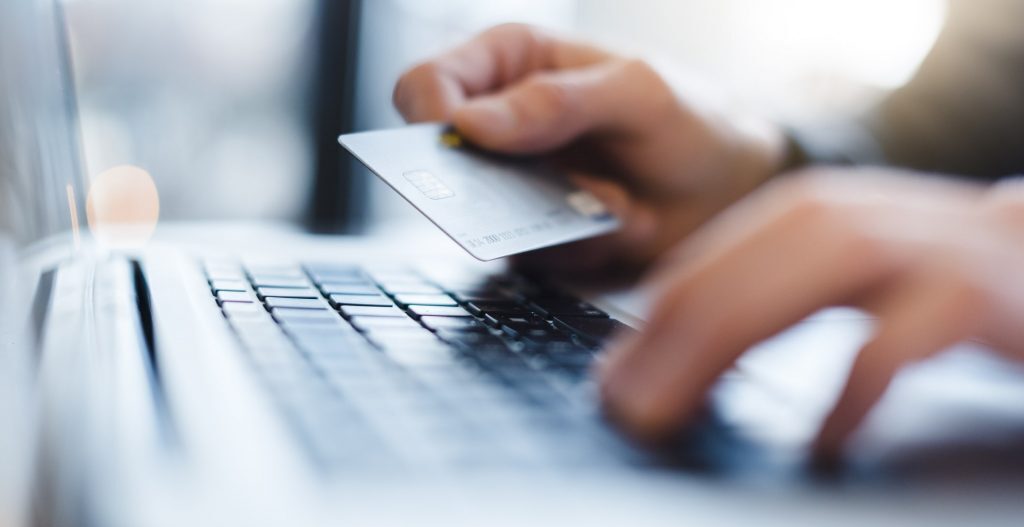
493, 206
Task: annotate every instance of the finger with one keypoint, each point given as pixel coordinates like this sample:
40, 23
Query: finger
502, 55
638, 222
549, 110
720, 304
916, 320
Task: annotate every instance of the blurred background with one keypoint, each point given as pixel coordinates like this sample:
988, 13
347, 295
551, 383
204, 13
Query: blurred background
234, 105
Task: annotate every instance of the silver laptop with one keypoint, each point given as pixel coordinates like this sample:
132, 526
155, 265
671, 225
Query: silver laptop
288, 380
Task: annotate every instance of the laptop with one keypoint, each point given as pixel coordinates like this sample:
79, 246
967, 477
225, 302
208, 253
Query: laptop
252, 377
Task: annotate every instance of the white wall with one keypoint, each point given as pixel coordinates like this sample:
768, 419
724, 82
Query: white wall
783, 57
207, 95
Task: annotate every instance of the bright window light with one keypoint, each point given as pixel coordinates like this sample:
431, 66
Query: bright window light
789, 57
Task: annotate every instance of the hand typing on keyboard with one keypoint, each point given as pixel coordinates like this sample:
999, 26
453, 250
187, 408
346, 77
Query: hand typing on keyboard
936, 262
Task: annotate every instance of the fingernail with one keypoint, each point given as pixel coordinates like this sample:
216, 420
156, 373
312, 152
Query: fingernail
487, 115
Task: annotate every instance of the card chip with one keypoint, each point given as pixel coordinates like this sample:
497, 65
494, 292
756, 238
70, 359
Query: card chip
428, 184
492, 205
451, 140
587, 204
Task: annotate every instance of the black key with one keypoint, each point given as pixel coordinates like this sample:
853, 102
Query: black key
413, 288
362, 300
225, 271
349, 289
335, 273
341, 279
595, 329
540, 335
426, 356
401, 330
425, 300
569, 307
558, 355
280, 281
234, 296
573, 373
275, 270
492, 321
238, 310
439, 311
302, 328
471, 340
482, 295
264, 326
460, 322
327, 345
523, 321
507, 307
406, 340
229, 285
284, 292
373, 311
571, 360
516, 324
305, 315
295, 303
393, 338
496, 356
396, 275
371, 323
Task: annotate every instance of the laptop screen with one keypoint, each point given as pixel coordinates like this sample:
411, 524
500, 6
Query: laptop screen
41, 175
41, 196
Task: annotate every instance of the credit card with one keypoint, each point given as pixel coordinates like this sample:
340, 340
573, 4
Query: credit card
491, 205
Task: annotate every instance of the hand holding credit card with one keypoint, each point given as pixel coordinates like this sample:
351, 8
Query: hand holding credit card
493, 206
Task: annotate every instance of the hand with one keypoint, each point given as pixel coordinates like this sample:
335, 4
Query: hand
663, 161
935, 261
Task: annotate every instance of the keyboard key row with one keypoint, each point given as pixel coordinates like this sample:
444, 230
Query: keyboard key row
353, 353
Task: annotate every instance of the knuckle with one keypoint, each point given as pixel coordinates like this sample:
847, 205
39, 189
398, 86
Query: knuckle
1008, 209
547, 96
967, 295
657, 92
641, 69
807, 198
423, 73
817, 205
512, 30
863, 248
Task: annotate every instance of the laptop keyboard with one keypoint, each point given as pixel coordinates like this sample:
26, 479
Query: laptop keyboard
392, 368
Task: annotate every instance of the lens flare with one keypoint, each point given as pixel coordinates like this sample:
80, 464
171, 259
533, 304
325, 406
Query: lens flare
73, 212
123, 207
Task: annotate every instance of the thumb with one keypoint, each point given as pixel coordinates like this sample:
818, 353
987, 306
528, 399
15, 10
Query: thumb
638, 222
545, 111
